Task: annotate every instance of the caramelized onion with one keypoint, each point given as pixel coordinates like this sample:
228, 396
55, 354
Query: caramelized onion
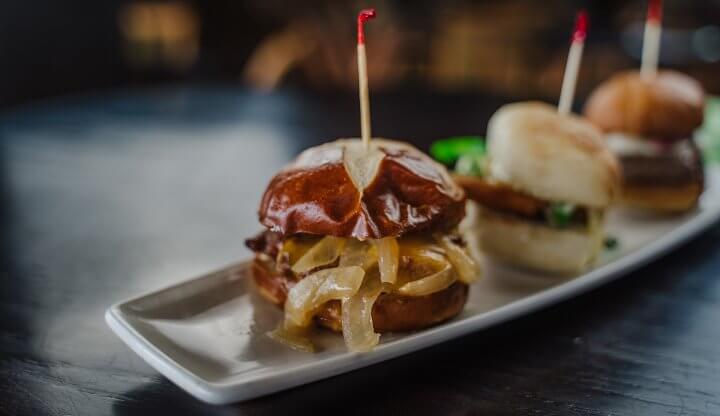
365, 269
419, 262
357, 324
388, 259
358, 253
420, 246
321, 254
429, 284
292, 338
313, 291
466, 268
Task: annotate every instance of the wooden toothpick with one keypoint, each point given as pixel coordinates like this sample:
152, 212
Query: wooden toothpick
363, 17
567, 93
651, 40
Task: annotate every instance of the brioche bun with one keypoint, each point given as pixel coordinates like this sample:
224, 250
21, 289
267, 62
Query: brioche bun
342, 190
551, 156
666, 106
533, 245
391, 312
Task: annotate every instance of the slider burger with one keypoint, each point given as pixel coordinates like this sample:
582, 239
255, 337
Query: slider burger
648, 123
361, 241
542, 189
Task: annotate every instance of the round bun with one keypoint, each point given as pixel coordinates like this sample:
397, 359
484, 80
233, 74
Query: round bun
523, 243
551, 156
391, 312
668, 106
342, 189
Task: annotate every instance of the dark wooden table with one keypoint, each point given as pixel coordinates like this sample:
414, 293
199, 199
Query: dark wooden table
102, 198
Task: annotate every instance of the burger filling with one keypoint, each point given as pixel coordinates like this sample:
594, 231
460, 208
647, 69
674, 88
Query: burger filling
505, 199
647, 162
322, 269
472, 169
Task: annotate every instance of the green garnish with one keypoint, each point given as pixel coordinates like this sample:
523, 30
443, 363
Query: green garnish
611, 243
559, 214
709, 134
449, 150
711, 122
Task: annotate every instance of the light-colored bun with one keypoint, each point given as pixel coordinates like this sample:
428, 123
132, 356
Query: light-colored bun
551, 156
661, 199
523, 243
668, 106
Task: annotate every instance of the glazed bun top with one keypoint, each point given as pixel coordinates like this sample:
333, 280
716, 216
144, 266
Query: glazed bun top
669, 106
551, 156
342, 189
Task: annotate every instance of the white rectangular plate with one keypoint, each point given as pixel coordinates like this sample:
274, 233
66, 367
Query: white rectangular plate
207, 335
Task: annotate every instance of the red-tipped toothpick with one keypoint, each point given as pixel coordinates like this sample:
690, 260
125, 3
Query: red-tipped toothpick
363, 17
651, 39
573, 63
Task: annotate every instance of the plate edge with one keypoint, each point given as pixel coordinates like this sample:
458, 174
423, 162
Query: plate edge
176, 373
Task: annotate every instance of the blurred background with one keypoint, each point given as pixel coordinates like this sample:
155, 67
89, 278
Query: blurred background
514, 48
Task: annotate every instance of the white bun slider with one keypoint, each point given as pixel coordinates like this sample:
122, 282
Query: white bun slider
551, 156
541, 202
535, 246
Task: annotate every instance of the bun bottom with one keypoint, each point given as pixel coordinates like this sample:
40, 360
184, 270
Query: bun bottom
391, 312
661, 199
530, 245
